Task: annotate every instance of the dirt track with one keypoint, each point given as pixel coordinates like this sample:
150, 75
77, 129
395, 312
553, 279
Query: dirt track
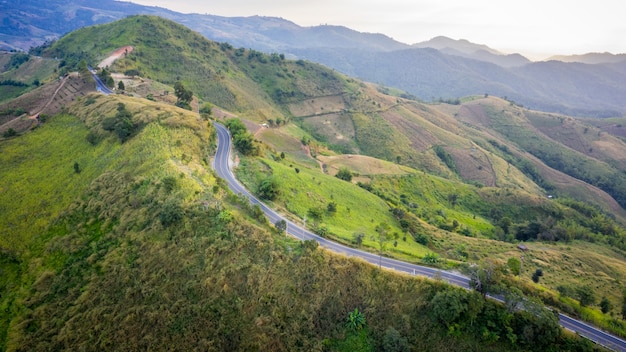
115, 55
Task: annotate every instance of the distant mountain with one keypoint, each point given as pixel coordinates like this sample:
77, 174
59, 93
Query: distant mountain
591, 58
574, 89
25, 24
467, 49
462, 45
441, 67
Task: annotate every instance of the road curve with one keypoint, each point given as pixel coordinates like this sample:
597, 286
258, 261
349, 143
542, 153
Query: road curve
100, 86
222, 165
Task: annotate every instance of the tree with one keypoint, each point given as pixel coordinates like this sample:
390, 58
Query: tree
332, 207
357, 238
394, 342
244, 142
120, 85
585, 295
447, 306
206, 109
316, 213
76, 167
282, 155
171, 213
121, 123
515, 265
536, 275
106, 78
484, 279
269, 188
183, 95
344, 174
382, 237
605, 305
281, 226
536, 326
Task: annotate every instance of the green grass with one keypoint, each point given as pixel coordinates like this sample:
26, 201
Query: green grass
38, 179
357, 209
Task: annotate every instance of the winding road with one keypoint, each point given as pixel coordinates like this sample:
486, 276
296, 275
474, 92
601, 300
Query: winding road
222, 165
100, 86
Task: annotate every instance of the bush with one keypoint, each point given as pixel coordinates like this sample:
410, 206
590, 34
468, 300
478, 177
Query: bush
269, 189
171, 213
344, 174
9, 133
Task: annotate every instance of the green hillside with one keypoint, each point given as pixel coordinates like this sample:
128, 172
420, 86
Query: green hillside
115, 234
140, 247
313, 111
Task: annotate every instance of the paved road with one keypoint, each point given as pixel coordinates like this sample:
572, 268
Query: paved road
100, 86
222, 165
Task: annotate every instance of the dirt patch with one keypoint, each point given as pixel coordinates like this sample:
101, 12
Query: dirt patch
125, 50
361, 164
420, 138
473, 165
474, 114
318, 105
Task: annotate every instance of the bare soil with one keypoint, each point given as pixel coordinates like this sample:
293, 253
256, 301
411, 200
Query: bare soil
115, 55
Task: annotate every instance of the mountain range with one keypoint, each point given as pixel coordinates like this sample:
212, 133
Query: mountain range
441, 68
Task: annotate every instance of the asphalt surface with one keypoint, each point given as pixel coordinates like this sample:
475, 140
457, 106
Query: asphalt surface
222, 165
100, 86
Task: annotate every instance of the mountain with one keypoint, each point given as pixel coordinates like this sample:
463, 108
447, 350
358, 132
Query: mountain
591, 58
461, 45
129, 241
467, 49
574, 89
455, 69
30, 23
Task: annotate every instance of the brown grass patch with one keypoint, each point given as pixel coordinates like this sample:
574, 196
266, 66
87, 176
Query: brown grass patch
318, 105
363, 165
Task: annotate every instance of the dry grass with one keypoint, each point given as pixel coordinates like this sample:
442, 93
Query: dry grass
363, 165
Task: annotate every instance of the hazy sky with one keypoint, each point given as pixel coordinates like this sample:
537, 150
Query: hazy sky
534, 27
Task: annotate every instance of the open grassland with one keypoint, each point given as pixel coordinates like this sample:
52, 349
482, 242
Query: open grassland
358, 211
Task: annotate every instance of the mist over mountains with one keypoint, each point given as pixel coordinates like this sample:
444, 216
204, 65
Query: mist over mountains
441, 68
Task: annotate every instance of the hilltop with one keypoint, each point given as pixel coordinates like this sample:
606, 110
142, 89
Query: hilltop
145, 246
439, 68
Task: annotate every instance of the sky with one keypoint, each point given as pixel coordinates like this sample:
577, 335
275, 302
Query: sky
535, 28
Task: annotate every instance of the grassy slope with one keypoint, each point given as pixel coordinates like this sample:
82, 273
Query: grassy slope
261, 87
357, 209
109, 274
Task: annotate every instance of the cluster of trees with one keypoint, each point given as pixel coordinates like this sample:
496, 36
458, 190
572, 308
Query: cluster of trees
122, 123
11, 82
467, 312
105, 76
16, 61
242, 139
444, 156
183, 95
